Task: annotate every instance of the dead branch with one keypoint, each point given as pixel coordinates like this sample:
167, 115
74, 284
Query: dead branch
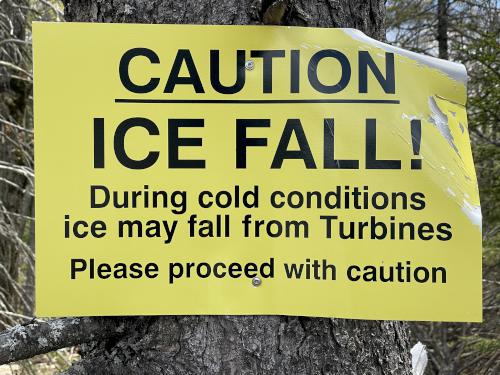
39, 337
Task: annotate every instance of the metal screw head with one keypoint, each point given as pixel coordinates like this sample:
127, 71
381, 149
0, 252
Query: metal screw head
249, 65
256, 281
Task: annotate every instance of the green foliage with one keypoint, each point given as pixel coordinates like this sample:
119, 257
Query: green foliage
482, 345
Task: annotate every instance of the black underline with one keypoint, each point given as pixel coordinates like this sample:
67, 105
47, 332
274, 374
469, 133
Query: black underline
257, 101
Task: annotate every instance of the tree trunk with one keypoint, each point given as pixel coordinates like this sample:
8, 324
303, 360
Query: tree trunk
442, 29
245, 344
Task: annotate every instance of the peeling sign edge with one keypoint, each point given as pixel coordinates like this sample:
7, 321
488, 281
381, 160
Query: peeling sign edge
440, 121
474, 213
452, 69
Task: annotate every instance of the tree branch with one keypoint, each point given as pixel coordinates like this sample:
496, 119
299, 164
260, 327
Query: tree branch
39, 337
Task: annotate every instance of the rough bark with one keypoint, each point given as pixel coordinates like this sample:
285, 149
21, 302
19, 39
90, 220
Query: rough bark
365, 15
245, 344
251, 345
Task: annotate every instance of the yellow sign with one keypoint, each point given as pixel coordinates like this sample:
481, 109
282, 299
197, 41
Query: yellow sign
251, 170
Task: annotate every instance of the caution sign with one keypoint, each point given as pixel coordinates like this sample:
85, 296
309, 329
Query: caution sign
251, 170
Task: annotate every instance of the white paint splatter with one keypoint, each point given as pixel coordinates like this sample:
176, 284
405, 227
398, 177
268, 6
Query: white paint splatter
405, 116
440, 121
474, 214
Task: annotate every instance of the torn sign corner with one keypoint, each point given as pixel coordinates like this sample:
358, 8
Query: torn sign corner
454, 70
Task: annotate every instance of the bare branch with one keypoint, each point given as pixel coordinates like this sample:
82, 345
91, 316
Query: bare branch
39, 337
